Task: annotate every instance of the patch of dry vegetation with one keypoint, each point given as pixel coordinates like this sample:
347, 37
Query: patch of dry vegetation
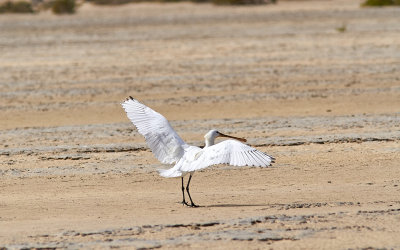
380, 3
113, 2
63, 6
16, 7
241, 2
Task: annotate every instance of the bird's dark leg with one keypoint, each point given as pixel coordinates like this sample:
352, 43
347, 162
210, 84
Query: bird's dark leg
187, 190
183, 195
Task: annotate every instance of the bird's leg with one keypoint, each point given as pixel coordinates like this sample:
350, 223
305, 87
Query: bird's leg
183, 195
187, 190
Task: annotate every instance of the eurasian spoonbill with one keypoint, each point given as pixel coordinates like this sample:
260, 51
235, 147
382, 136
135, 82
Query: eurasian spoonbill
169, 148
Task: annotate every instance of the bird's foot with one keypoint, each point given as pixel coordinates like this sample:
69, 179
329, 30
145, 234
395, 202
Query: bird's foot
189, 205
194, 205
185, 203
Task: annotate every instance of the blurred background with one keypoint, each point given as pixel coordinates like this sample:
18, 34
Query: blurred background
263, 57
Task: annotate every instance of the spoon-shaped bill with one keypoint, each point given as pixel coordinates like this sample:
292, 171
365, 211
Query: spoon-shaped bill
233, 137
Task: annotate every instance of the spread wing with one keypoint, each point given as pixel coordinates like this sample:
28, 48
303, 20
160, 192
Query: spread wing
230, 152
161, 138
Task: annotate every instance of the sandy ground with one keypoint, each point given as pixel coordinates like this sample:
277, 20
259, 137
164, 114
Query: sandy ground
325, 103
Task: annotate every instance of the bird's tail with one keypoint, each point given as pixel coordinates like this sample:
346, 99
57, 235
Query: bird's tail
169, 172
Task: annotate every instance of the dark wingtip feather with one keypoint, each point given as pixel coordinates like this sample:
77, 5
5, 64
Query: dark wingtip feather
129, 98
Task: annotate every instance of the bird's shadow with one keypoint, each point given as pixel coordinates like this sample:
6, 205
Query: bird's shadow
237, 205
231, 205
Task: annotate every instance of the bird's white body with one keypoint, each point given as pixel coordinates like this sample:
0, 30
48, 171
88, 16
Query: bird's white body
169, 148
190, 157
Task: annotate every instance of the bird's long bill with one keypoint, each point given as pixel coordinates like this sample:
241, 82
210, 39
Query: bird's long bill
236, 138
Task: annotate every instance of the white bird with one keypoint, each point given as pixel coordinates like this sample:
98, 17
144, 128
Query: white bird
169, 148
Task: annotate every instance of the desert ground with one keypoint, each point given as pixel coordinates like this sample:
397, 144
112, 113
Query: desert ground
316, 84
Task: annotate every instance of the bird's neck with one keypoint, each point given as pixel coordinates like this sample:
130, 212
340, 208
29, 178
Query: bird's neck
209, 142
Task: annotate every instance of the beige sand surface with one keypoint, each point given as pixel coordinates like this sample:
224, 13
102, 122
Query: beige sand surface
325, 103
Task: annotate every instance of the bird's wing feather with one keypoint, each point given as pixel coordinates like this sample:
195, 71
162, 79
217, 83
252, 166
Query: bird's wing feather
161, 138
230, 152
